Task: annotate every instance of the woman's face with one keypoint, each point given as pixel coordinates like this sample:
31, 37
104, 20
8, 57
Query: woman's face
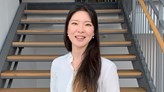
80, 29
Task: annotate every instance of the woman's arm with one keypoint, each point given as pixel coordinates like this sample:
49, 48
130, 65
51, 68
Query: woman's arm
52, 80
111, 80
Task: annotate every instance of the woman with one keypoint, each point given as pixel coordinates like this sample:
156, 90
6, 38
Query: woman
83, 69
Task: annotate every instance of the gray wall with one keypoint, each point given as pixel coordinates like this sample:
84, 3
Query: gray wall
7, 11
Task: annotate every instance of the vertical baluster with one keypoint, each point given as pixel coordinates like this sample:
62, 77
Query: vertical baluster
160, 62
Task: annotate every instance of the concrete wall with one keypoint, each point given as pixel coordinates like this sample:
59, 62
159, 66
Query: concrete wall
8, 9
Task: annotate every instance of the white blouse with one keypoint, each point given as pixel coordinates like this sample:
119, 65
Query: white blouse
62, 75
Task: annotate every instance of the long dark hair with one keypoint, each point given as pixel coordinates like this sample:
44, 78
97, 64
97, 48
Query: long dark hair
89, 71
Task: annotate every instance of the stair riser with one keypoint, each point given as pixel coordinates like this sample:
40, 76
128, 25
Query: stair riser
65, 12
53, 33
51, 59
46, 74
64, 46
62, 21
122, 89
61, 32
48, 77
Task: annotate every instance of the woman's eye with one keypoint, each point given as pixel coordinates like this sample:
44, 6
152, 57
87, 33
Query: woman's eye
88, 24
74, 23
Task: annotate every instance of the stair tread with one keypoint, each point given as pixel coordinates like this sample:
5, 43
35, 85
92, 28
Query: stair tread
120, 57
112, 20
123, 89
53, 44
26, 73
51, 57
132, 89
24, 90
66, 11
61, 31
46, 73
125, 73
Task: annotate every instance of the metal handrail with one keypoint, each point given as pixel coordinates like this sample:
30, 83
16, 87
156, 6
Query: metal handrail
162, 23
152, 24
148, 29
149, 48
162, 2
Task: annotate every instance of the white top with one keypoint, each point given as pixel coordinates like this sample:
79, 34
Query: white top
62, 75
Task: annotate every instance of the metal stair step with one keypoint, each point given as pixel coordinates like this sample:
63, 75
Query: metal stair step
24, 90
46, 74
132, 89
35, 32
123, 89
113, 57
27, 74
58, 44
66, 11
120, 57
129, 73
42, 74
61, 21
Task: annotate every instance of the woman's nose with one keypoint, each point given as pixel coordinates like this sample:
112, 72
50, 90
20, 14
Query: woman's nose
81, 29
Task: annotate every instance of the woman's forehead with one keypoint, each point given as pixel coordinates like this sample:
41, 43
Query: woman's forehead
81, 15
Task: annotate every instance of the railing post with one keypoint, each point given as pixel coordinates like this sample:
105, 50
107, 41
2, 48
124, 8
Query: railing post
160, 61
160, 74
133, 14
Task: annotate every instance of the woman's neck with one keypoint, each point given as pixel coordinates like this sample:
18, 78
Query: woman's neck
77, 54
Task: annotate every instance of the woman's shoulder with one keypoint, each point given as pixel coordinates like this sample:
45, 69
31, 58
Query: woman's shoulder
61, 59
106, 63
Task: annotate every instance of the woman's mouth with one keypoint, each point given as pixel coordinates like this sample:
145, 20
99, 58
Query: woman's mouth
80, 38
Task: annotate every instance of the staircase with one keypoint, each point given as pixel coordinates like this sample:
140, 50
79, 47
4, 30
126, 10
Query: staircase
21, 29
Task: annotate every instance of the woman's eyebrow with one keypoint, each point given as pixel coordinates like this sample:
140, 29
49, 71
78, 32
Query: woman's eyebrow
88, 21
78, 21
